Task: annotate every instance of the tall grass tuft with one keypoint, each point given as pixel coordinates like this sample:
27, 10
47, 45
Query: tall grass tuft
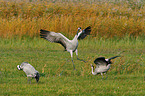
107, 19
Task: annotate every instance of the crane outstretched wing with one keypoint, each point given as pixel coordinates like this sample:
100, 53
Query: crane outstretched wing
113, 57
100, 61
84, 33
54, 37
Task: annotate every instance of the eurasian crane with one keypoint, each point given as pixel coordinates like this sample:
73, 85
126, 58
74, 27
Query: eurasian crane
102, 65
29, 70
69, 45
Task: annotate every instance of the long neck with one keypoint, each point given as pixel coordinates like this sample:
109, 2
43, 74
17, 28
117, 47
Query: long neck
93, 71
108, 66
75, 39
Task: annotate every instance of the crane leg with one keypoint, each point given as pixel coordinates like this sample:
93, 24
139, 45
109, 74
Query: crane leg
29, 80
79, 58
106, 75
71, 53
102, 75
73, 64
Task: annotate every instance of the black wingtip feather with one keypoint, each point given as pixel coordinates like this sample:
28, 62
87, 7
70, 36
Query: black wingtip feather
89, 27
99, 58
114, 57
85, 33
43, 33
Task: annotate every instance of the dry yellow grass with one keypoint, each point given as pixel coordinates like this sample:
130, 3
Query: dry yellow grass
106, 19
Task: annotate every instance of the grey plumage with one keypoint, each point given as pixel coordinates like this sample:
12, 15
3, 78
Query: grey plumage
69, 45
29, 70
102, 65
54, 37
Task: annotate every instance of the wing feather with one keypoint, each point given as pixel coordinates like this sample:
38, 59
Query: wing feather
113, 57
84, 33
54, 37
100, 61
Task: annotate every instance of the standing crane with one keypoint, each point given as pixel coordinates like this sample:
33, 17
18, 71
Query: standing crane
69, 45
102, 65
29, 70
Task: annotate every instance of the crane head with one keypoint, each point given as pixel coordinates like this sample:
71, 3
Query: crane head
79, 30
109, 61
19, 68
37, 77
92, 66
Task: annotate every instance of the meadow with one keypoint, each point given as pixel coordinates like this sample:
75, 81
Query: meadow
117, 29
126, 76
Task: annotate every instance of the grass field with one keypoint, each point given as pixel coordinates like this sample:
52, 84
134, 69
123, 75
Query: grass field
126, 76
117, 29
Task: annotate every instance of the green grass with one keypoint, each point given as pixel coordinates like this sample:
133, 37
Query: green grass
125, 78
